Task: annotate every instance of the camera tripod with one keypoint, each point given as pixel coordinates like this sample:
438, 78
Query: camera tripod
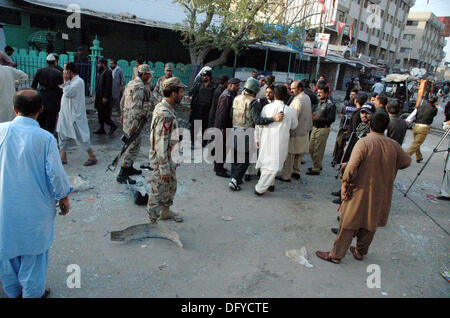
435, 150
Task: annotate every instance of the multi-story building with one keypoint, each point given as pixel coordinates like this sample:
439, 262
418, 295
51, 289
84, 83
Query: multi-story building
422, 43
373, 28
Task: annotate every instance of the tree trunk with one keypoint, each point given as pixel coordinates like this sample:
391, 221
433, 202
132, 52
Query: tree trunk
222, 59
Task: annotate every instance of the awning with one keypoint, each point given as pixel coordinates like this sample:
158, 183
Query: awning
273, 47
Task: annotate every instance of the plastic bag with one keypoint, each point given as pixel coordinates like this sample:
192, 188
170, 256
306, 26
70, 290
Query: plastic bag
300, 256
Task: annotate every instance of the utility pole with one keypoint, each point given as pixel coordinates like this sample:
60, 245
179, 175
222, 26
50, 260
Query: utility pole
318, 57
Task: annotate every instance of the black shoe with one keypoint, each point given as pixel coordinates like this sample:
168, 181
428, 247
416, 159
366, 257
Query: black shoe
296, 176
146, 167
258, 194
336, 193
239, 182
419, 160
441, 197
101, 131
281, 179
337, 201
335, 230
133, 172
247, 178
123, 177
272, 188
303, 162
222, 173
233, 186
112, 130
312, 173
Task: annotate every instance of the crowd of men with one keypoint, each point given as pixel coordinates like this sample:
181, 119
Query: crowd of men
273, 127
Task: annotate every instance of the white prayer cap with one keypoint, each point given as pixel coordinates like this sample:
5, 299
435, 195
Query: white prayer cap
51, 58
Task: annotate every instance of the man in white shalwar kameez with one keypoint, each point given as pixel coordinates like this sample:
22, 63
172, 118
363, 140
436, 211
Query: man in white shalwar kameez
273, 140
9, 78
72, 121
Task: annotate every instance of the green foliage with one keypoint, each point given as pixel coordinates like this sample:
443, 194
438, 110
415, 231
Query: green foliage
232, 25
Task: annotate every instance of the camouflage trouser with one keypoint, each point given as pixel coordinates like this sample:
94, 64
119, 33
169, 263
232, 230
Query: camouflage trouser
161, 195
132, 152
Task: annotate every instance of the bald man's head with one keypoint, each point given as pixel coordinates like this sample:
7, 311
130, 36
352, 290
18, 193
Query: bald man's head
27, 102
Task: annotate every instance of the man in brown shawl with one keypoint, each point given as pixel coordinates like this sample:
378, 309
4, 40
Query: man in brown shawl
367, 187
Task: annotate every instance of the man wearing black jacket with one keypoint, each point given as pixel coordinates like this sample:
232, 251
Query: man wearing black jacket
49, 78
223, 120
307, 90
202, 97
103, 98
223, 84
323, 116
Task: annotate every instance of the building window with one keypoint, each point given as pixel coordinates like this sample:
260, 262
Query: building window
378, 33
391, 18
412, 23
373, 31
397, 61
361, 26
41, 22
9, 17
366, 3
405, 50
382, 13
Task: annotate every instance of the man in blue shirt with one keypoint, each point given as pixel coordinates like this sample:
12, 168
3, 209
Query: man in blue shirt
32, 180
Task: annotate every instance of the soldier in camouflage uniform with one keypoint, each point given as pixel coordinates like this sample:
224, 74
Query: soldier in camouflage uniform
164, 125
135, 111
158, 91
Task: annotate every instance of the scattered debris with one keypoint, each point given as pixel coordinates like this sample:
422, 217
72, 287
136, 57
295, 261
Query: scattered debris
446, 275
161, 267
146, 230
194, 180
227, 218
431, 198
384, 293
92, 199
306, 196
78, 183
143, 246
300, 256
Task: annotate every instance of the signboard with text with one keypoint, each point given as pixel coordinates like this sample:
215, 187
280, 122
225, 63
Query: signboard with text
321, 44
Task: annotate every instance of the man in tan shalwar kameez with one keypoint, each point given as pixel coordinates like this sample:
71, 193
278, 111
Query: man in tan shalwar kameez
367, 186
299, 139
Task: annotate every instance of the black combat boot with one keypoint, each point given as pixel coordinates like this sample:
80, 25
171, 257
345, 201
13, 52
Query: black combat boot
133, 172
123, 176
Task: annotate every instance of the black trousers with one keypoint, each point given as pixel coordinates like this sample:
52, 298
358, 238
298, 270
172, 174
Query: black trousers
104, 114
218, 166
202, 114
47, 120
238, 168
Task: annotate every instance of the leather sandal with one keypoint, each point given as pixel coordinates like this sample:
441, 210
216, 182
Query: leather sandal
326, 257
355, 253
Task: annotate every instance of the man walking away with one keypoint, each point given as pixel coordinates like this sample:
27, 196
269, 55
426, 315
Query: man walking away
299, 137
424, 118
377, 88
367, 187
9, 76
32, 181
323, 116
397, 127
49, 78
118, 83
273, 140
72, 122
103, 98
